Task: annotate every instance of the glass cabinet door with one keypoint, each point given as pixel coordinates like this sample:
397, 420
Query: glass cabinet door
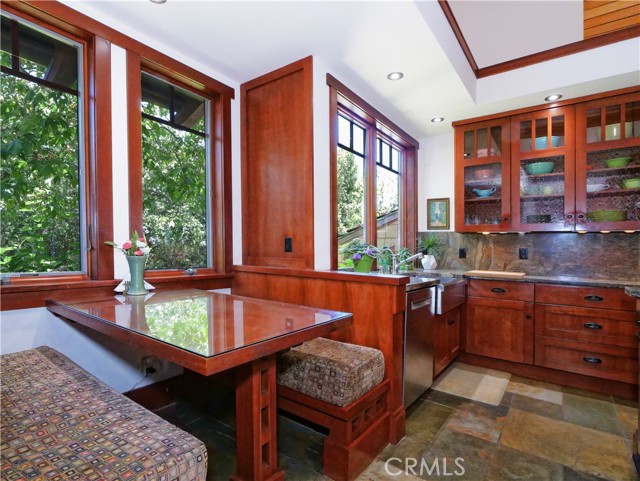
482, 188
542, 167
608, 164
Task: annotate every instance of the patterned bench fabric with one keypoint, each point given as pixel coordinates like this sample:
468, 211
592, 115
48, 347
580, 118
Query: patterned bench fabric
60, 423
331, 371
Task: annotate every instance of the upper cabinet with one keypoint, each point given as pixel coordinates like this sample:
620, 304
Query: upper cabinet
543, 170
608, 164
482, 176
574, 167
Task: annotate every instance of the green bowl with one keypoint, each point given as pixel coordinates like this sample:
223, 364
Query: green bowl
537, 168
631, 183
607, 215
617, 162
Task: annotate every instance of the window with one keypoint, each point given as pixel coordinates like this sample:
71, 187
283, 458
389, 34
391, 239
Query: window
350, 182
388, 216
374, 181
174, 175
42, 202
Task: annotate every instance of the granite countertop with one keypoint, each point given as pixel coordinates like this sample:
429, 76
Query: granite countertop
633, 291
633, 286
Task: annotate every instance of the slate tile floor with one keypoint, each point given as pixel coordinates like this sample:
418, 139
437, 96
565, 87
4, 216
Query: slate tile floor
538, 432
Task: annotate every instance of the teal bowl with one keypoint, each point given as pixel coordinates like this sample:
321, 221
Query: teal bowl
537, 168
543, 143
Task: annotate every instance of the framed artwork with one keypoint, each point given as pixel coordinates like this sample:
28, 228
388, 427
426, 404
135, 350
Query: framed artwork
438, 214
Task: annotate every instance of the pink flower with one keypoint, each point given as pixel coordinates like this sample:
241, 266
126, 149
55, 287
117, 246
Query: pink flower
127, 245
138, 253
141, 239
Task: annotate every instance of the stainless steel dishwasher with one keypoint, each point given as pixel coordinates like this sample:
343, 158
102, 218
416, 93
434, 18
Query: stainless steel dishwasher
418, 343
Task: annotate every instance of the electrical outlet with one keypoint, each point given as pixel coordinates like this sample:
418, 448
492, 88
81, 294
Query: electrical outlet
150, 364
288, 244
462, 253
523, 253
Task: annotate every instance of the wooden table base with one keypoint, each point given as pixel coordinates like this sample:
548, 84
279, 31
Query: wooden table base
256, 421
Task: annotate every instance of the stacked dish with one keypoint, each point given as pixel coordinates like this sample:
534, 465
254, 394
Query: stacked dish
617, 162
607, 215
631, 183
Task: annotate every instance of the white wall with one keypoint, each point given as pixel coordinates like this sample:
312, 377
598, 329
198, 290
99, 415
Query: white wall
114, 363
435, 175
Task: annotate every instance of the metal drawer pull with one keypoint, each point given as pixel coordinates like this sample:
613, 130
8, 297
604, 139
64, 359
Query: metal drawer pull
593, 298
592, 325
498, 290
419, 304
592, 360
451, 322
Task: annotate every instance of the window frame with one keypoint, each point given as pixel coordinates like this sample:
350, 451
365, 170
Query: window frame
218, 158
343, 101
88, 64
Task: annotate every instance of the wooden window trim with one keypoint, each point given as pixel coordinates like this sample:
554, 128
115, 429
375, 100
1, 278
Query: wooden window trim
98, 37
220, 163
346, 102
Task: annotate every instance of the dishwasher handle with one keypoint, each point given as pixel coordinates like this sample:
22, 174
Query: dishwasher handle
418, 304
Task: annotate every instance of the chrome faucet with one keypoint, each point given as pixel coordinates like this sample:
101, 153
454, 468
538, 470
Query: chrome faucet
397, 265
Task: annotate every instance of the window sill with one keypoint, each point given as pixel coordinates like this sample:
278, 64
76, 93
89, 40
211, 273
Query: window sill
27, 294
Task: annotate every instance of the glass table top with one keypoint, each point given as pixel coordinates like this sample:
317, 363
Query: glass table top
203, 322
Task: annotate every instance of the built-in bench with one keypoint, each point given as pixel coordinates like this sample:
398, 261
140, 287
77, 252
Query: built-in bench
340, 387
59, 422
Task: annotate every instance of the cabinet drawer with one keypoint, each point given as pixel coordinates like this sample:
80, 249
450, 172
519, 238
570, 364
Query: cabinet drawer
598, 297
515, 291
604, 326
607, 362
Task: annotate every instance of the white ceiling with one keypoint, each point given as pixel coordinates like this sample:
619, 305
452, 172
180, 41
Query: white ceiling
517, 28
360, 42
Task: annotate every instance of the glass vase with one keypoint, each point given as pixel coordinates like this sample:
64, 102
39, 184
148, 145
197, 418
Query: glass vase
136, 269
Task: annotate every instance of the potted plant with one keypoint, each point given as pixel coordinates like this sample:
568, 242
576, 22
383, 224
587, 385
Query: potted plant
404, 254
361, 253
429, 245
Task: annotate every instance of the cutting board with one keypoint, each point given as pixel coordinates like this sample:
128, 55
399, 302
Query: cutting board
496, 274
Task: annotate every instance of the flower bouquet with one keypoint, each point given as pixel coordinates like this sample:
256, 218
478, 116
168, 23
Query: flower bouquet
136, 249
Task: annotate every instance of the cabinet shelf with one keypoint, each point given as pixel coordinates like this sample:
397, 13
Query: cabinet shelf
552, 175
541, 196
613, 170
484, 199
612, 192
492, 181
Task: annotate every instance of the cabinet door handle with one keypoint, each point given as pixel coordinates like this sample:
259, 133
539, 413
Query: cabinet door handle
592, 360
592, 325
593, 298
498, 290
419, 304
528, 316
582, 216
451, 322
569, 217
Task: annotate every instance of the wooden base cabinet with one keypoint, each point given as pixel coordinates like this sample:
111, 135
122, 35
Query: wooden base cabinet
501, 329
446, 339
586, 330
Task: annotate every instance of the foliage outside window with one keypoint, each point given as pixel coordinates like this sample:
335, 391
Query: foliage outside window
353, 160
42, 174
351, 209
174, 175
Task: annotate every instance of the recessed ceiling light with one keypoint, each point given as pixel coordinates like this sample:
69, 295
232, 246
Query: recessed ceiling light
553, 98
437, 120
395, 75
158, 1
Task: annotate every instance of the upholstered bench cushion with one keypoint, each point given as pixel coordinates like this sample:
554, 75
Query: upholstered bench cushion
331, 371
61, 423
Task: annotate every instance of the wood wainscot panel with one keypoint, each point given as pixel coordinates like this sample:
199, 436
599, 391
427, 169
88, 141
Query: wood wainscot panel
378, 313
277, 167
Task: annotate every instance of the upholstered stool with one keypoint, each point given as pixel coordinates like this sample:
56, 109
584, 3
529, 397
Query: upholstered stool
338, 386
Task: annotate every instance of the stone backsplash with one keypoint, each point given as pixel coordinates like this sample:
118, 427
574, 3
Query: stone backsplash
593, 255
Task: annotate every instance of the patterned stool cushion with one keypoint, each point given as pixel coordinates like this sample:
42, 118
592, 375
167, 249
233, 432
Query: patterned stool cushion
331, 371
60, 423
